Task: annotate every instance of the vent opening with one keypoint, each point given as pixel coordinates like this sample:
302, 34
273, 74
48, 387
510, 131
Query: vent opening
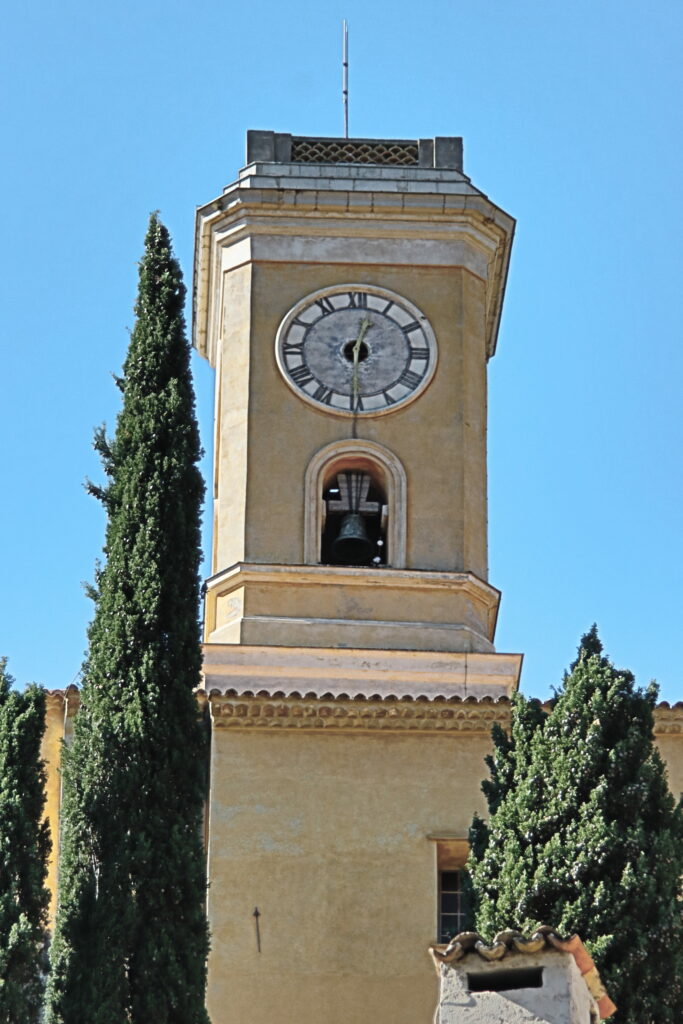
505, 980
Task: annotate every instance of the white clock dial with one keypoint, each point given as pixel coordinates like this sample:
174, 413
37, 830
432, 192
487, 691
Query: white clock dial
356, 350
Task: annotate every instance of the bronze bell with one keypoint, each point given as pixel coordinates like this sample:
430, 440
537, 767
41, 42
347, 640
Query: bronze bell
352, 545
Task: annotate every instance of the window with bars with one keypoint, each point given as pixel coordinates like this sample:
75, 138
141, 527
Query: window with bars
451, 905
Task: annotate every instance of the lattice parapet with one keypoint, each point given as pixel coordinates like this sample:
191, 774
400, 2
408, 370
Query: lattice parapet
278, 147
354, 151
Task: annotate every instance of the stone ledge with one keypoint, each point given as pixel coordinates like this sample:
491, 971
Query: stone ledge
350, 673
348, 576
249, 605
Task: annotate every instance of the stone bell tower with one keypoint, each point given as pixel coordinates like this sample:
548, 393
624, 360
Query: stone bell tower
348, 293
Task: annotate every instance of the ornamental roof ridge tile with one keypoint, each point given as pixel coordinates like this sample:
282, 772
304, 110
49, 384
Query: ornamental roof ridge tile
511, 942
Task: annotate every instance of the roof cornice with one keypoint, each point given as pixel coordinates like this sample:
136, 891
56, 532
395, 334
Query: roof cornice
232, 711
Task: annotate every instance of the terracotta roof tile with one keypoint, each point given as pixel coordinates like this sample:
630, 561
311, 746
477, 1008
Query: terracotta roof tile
510, 942
277, 691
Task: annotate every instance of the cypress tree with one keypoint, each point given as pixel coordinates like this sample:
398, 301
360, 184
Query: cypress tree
131, 938
24, 849
584, 835
499, 854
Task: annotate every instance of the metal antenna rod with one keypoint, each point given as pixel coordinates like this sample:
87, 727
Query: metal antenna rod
345, 75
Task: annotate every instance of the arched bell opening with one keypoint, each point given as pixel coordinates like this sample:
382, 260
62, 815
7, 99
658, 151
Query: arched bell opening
323, 519
355, 517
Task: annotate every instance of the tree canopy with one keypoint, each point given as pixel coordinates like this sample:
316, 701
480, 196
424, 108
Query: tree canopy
24, 849
131, 938
584, 835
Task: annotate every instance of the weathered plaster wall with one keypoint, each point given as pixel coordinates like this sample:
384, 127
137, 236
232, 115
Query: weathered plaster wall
328, 836
441, 438
51, 752
463, 755
562, 999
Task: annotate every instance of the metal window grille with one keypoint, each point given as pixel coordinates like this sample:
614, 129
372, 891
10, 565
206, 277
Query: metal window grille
451, 908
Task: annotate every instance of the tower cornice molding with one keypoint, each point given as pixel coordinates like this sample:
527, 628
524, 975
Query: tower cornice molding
358, 673
668, 720
257, 712
472, 716
334, 575
237, 595
440, 222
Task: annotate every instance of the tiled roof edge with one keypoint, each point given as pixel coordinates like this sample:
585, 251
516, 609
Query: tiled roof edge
511, 941
354, 696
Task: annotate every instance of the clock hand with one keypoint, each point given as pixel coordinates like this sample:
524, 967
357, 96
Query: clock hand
365, 323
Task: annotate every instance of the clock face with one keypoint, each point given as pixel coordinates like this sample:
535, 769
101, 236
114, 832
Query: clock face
356, 350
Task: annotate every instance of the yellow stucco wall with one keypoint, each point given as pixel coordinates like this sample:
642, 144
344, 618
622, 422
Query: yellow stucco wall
671, 749
327, 835
51, 752
440, 438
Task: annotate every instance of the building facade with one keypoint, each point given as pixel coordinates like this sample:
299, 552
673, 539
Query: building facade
348, 293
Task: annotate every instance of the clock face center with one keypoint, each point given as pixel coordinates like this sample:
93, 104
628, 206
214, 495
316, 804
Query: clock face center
363, 351
329, 342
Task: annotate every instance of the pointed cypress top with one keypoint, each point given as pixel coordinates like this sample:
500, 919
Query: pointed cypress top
590, 646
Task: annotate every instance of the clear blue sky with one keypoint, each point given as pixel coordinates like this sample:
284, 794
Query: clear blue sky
571, 118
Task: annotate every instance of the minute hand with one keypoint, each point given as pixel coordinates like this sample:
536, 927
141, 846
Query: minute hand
355, 352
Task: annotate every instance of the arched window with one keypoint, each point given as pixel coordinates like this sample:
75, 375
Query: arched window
357, 489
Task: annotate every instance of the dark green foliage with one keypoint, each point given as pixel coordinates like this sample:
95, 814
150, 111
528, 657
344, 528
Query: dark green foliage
584, 835
507, 764
24, 849
131, 939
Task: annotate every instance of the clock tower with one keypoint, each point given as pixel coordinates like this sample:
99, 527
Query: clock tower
348, 293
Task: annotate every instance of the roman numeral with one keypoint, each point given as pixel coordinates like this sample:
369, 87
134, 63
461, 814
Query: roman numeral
388, 399
410, 379
387, 307
358, 300
412, 326
293, 348
418, 353
323, 394
325, 306
300, 323
301, 375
